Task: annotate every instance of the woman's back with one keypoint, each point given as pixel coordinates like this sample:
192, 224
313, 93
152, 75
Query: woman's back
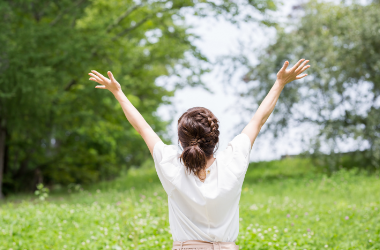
206, 210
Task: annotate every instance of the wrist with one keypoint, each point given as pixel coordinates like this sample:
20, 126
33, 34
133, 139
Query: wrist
280, 82
118, 93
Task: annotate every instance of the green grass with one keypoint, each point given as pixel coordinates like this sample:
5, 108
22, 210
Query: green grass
284, 205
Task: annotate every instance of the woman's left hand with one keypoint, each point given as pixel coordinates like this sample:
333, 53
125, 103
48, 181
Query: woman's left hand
110, 84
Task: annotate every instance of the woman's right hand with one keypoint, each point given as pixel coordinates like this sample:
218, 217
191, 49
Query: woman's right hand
110, 84
285, 76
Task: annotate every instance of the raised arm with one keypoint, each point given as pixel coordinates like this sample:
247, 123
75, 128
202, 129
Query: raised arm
132, 114
284, 76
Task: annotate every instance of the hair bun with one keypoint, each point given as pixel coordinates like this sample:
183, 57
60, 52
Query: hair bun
193, 142
197, 127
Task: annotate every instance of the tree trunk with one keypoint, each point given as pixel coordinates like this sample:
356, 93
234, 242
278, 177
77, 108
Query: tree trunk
2, 157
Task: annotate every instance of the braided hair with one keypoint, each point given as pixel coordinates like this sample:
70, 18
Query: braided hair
198, 132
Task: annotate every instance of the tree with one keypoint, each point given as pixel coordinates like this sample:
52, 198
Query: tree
54, 126
339, 100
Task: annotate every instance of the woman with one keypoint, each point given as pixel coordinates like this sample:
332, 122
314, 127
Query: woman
203, 191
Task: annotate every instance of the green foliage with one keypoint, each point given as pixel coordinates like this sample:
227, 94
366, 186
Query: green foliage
339, 101
278, 210
42, 192
59, 128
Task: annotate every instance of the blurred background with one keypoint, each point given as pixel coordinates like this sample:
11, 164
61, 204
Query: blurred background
74, 174
57, 129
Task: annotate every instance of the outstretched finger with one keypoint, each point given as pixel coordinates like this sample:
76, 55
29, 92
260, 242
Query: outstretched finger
100, 87
297, 64
99, 75
286, 63
301, 66
95, 77
110, 75
301, 76
303, 69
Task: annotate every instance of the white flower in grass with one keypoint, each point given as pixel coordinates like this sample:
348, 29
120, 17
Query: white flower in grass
326, 246
269, 243
253, 207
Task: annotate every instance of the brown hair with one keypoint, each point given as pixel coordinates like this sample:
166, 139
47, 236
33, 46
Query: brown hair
198, 132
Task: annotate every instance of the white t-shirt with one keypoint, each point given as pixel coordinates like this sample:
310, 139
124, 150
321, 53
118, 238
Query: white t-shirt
207, 210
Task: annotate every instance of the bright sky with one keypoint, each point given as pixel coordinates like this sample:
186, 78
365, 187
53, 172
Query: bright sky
221, 38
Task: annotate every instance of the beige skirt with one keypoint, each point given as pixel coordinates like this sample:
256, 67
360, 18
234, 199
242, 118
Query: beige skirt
204, 245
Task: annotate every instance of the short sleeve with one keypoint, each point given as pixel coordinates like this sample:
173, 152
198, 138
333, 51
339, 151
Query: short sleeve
237, 154
165, 159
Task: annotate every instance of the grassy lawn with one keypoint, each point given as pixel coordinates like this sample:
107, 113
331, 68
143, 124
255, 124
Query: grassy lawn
284, 205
